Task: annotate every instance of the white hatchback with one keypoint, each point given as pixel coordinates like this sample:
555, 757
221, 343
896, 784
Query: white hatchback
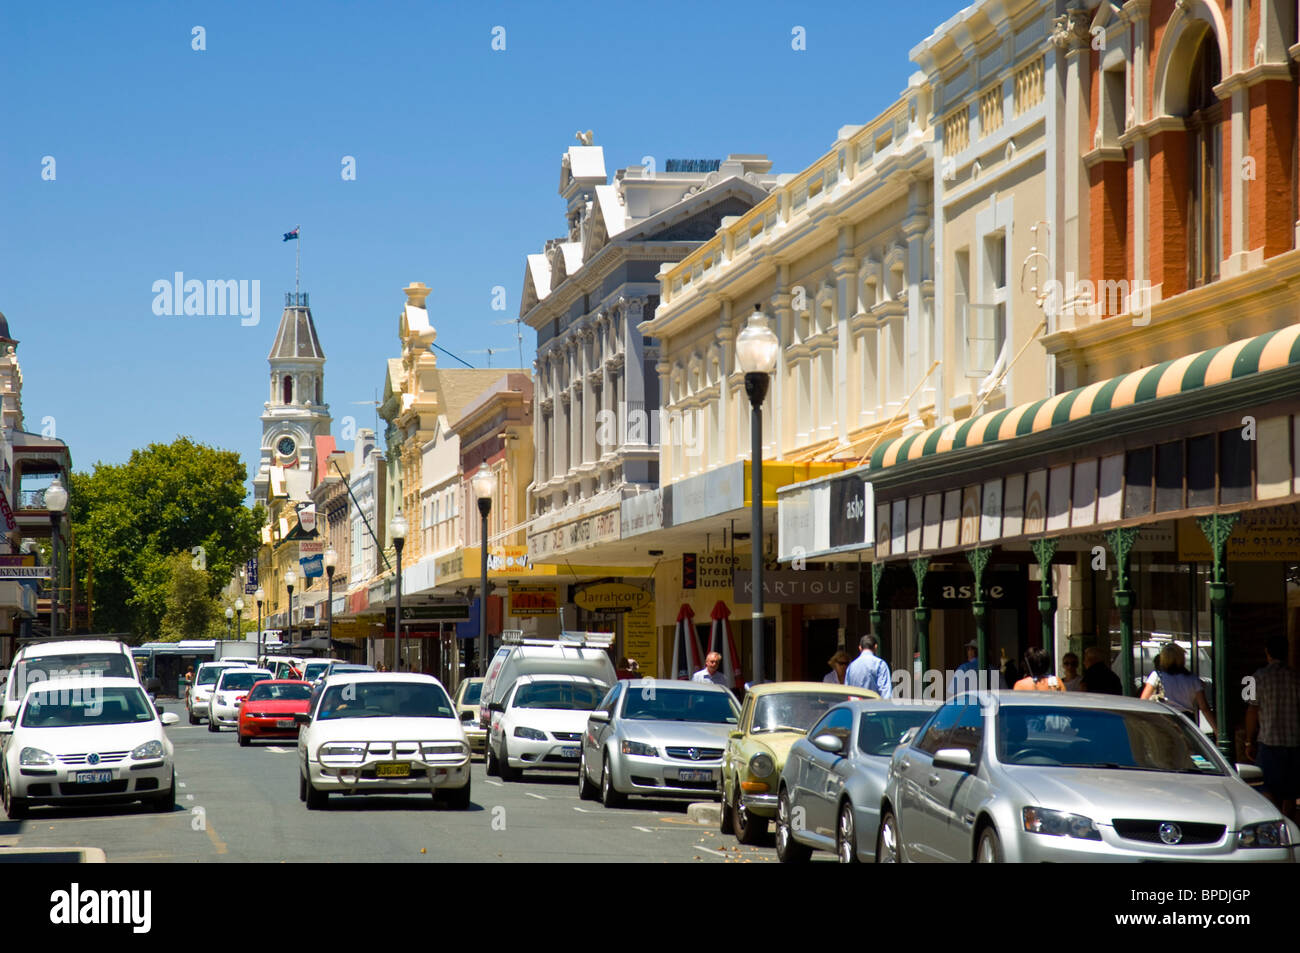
79, 740
381, 733
541, 723
232, 688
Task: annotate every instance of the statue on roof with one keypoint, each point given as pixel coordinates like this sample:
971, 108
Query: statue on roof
586, 138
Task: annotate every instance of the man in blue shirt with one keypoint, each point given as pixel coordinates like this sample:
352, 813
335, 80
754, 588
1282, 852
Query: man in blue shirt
961, 682
869, 670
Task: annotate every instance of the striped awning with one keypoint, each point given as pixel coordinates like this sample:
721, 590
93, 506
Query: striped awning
1266, 352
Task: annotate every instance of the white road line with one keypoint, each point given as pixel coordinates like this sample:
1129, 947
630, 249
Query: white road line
538, 796
715, 853
490, 781
180, 784
582, 810
646, 830
189, 797
276, 749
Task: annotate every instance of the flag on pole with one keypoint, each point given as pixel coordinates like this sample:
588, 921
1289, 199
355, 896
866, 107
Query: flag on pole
686, 647
722, 642
293, 235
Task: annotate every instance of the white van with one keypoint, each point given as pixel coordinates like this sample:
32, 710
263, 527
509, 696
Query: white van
573, 653
65, 658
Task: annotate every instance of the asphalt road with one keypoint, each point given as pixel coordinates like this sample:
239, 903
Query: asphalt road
241, 804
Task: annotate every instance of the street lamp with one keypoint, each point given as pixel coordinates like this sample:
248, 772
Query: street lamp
485, 487
756, 351
290, 580
260, 596
230, 614
331, 563
239, 617
397, 529
56, 501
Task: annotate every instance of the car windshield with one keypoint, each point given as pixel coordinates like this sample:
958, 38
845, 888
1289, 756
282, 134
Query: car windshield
879, 732
280, 693
1099, 738
792, 711
78, 706
564, 696
674, 704
473, 691
108, 664
341, 669
238, 681
313, 669
385, 700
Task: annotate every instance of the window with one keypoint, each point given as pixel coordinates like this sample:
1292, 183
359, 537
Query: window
1205, 165
935, 734
838, 722
968, 732
288, 389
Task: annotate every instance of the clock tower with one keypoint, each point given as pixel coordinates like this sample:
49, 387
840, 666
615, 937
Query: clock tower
297, 413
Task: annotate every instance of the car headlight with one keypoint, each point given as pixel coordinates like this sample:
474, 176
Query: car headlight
1040, 820
532, 734
343, 751
148, 751
761, 765
36, 756
1266, 834
442, 748
636, 747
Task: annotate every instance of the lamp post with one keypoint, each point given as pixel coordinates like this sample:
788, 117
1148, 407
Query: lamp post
756, 351
397, 529
331, 563
239, 617
290, 580
230, 614
56, 501
485, 485
260, 595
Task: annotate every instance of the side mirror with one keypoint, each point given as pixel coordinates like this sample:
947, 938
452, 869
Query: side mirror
601, 716
958, 759
167, 718
1247, 772
467, 716
735, 735
831, 744
6, 727
302, 718
497, 706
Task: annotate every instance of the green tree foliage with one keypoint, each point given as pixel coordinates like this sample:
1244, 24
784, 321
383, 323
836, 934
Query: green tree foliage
130, 519
190, 606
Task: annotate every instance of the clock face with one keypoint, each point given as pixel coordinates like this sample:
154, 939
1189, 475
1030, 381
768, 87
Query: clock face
286, 446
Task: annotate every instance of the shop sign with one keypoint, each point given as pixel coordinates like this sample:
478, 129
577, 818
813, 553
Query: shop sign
641, 640
956, 590
452, 567
709, 494
795, 586
533, 600
435, 613
351, 629
689, 570
715, 569
1260, 536
580, 534
18, 559
612, 595
250, 577
850, 500
24, 572
643, 513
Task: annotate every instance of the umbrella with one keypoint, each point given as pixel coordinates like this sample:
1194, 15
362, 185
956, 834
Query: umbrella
720, 636
684, 636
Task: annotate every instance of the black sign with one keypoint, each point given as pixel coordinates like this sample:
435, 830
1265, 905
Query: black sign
956, 590
688, 570
848, 511
439, 612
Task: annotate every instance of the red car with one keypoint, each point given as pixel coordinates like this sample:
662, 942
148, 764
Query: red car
267, 710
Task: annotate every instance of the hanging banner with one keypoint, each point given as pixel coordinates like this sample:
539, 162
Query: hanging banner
250, 577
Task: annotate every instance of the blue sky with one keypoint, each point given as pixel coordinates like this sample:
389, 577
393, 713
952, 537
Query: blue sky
168, 159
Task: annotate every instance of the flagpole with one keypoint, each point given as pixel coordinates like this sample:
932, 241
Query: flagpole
297, 265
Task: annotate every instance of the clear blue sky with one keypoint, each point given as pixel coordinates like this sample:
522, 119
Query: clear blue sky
168, 159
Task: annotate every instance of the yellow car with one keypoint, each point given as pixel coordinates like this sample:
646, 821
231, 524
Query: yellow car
774, 717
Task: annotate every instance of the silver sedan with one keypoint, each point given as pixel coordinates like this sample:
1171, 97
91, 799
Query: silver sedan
834, 779
656, 738
1020, 777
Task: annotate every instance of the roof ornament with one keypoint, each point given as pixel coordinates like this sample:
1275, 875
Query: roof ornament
586, 138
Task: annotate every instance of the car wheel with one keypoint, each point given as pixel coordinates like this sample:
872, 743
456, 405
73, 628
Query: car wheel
846, 835
458, 798
244, 740
726, 819
316, 800
749, 828
586, 790
990, 847
788, 850
194, 719
507, 773
166, 803
609, 795
302, 787
493, 767
212, 725
15, 807
887, 848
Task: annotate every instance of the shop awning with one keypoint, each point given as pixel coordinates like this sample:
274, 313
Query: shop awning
1266, 352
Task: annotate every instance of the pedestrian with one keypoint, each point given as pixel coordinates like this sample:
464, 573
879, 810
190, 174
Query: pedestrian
1273, 727
1070, 672
1040, 678
1180, 688
710, 671
381, 667
1097, 676
839, 663
962, 680
868, 670
189, 676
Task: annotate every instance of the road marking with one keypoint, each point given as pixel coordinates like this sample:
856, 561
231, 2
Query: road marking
582, 810
490, 781
217, 842
538, 796
715, 853
647, 830
189, 797
276, 749
180, 784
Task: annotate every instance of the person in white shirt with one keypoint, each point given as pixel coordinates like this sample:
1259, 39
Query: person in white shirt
710, 671
839, 663
1182, 689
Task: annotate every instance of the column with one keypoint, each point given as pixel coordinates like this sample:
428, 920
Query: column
725, 335
916, 361
979, 560
1137, 12
920, 567
1044, 550
781, 323
1218, 530
845, 269
1071, 37
634, 355
589, 452
606, 402
1121, 543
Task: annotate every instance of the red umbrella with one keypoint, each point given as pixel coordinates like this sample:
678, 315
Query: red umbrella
720, 634
684, 637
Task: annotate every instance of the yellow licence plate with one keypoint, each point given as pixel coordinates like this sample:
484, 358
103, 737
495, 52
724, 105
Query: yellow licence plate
393, 769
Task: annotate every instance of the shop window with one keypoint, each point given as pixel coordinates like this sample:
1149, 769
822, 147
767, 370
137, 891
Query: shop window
1200, 470
1169, 476
1234, 467
1138, 465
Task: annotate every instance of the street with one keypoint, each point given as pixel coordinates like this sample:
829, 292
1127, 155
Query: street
241, 805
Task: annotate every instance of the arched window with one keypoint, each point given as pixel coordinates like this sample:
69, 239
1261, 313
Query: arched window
288, 389
1205, 169
318, 400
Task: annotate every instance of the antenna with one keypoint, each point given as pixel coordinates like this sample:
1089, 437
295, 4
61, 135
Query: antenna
371, 403
519, 334
489, 351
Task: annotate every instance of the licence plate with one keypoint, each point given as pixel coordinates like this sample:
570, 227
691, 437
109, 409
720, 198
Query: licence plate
570, 752
685, 775
94, 777
393, 769
284, 723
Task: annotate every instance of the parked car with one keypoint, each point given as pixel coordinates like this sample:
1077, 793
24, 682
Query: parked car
232, 686
44, 660
382, 733
311, 668
268, 710
541, 723
199, 696
833, 781
656, 738
283, 667
1019, 777
76, 742
573, 653
336, 667
467, 696
773, 717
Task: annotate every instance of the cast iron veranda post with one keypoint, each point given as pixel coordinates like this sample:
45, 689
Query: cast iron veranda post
1044, 550
979, 560
1218, 530
1121, 544
756, 384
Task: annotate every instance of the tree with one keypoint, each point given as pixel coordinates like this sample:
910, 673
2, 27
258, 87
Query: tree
190, 606
131, 519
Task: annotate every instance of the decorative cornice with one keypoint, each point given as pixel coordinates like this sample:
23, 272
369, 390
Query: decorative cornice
1259, 73
1152, 127
1070, 30
1104, 154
